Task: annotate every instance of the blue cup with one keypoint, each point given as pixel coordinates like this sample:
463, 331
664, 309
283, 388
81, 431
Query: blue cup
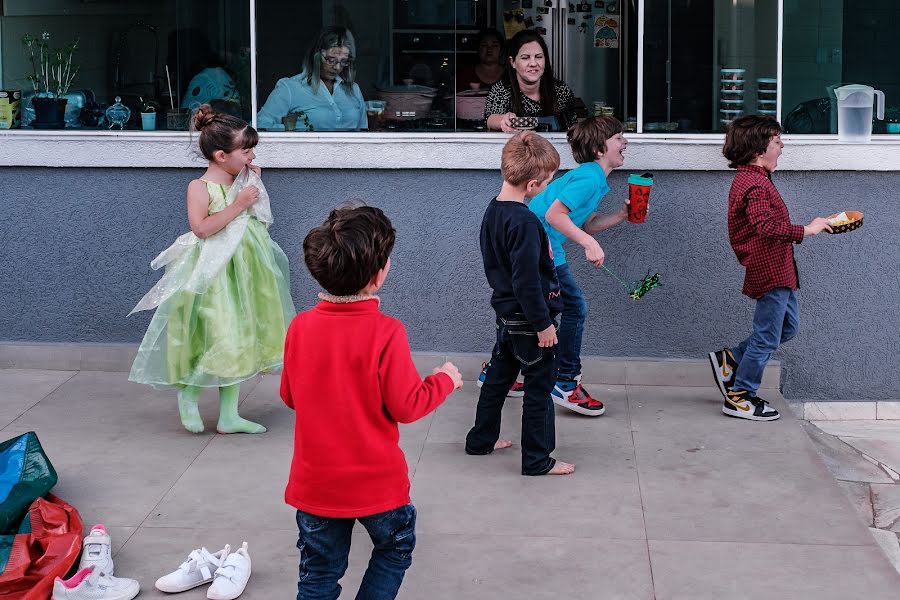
148, 121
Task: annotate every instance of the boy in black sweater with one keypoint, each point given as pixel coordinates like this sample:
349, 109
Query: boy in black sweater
519, 268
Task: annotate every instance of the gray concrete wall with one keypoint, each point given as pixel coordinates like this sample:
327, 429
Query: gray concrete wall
76, 247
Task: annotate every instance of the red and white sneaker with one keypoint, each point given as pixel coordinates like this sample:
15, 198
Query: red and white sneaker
516, 391
577, 400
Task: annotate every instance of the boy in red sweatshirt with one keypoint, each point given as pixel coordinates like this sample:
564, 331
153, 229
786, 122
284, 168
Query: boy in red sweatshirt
347, 463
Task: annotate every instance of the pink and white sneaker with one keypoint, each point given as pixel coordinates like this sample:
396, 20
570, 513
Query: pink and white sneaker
97, 550
93, 584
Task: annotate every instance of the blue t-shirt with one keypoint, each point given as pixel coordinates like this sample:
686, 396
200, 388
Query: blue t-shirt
580, 190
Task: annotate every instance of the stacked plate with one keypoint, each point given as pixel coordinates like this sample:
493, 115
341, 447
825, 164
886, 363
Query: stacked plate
767, 96
731, 95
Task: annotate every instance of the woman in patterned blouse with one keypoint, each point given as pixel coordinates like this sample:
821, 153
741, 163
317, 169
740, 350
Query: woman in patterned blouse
528, 88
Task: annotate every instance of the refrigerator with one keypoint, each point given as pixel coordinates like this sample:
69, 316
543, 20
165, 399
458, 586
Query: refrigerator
588, 44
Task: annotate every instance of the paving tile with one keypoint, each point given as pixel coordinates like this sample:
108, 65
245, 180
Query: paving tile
886, 501
426, 361
117, 536
889, 544
457, 493
153, 552
888, 410
692, 417
608, 371
869, 429
455, 417
693, 373
843, 461
706, 571
62, 357
256, 498
838, 411
887, 452
20, 389
725, 496
861, 498
539, 568
117, 447
468, 363
108, 357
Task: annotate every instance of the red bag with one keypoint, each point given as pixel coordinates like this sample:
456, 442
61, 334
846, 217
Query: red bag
46, 547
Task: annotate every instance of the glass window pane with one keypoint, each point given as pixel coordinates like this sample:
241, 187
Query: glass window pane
590, 50
429, 65
124, 50
831, 43
707, 62
350, 65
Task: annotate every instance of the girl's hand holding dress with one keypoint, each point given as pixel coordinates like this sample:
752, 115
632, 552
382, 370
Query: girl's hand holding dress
247, 197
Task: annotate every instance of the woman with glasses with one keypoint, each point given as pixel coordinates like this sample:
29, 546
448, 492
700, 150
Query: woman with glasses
529, 89
324, 96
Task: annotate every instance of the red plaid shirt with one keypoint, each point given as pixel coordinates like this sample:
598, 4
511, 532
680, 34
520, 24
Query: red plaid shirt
761, 232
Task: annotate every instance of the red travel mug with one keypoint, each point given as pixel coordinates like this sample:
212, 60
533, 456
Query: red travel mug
639, 196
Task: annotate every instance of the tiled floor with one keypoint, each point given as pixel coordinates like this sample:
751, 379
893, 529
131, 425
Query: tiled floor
671, 499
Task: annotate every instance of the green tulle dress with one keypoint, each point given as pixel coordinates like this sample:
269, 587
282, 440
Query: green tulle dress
223, 305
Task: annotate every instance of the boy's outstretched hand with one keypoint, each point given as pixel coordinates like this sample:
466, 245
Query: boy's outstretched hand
547, 337
817, 225
450, 369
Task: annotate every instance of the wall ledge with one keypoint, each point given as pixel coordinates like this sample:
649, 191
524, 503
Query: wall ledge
453, 151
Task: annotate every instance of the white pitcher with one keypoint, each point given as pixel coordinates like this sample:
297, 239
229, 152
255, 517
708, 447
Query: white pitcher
855, 112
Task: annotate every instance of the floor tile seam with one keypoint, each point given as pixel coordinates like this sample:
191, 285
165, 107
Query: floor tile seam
128, 539
179, 478
415, 467
256, 382
424, 531
873, 544
41, 399
640, 492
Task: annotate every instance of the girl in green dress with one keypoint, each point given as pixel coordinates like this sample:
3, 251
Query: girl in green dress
224, 303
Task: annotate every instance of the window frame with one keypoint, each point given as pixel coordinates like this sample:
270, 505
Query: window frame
429, 150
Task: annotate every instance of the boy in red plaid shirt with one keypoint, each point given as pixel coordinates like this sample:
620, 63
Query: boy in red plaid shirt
762, 237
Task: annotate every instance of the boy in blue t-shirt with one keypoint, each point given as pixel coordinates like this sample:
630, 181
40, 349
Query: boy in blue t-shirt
567, 211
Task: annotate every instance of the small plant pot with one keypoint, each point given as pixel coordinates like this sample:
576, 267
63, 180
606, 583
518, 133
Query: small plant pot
49, 113
893, 127
148, 121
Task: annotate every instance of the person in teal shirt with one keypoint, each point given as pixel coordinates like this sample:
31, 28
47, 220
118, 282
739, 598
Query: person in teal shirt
325, 92
567, 210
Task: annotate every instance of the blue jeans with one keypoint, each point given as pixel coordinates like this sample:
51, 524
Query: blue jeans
571, 324
324, 546
775, 321
517, 349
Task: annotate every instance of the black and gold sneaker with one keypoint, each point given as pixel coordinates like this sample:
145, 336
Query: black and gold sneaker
724, 369
740, 404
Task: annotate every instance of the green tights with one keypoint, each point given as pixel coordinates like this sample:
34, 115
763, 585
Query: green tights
229, 419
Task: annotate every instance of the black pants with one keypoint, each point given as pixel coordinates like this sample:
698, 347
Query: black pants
517, 350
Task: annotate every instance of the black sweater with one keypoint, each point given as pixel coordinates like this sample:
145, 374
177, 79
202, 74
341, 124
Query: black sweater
518, 264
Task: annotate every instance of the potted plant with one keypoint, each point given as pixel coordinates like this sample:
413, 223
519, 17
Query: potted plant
892, 119
148, 115
52, 74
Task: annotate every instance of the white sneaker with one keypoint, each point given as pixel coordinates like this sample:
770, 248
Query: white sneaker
231, 577
196, 570
96, 551
94, 584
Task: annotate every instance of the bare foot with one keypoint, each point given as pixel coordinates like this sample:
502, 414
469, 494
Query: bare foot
501, 444
562, 468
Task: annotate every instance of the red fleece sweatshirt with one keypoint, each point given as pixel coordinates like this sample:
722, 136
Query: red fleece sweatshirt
349, 376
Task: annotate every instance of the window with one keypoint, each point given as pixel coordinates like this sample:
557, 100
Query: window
707, 62
160, 59
831, 43
440, 65
429, 65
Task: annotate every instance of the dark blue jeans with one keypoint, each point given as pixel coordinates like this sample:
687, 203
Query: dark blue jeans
571, 324
775, 321
517, 349
324, 546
